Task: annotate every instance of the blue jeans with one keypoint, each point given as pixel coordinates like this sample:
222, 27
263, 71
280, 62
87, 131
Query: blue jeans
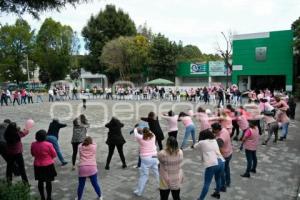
225, 178
251, 160
210, 172
285, 129
53, 140
94, 182
39, 97
147, 164
190, 130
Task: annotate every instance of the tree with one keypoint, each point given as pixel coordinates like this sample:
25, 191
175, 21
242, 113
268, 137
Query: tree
163, 55
226, 54
127, 56
54, 49
16, 44
145, 31
190, 53
296, 29
33, 7
109, 24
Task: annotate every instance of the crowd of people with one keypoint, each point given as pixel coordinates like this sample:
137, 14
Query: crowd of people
215, 95
217, 130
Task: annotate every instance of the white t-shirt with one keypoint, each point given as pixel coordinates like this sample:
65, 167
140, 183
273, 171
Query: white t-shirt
209, 151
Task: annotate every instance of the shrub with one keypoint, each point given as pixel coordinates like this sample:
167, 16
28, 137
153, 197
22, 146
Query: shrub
18, 191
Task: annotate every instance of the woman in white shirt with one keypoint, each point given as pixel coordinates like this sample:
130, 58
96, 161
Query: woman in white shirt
213, 163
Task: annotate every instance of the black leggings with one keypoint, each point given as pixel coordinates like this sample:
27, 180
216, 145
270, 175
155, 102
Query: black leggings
111, 149
235, 128
48, 189
160, 146
75, 151
164, 194
173, 134
11, 160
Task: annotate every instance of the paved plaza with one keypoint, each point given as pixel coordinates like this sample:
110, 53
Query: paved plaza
278, 171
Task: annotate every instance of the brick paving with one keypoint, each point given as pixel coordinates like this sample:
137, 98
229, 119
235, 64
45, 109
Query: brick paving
278, 172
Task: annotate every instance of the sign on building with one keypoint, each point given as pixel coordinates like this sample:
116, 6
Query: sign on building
261, 53
217, 68
198, 68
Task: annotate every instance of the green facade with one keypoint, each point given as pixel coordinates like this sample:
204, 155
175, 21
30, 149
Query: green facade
278, 61
183, 69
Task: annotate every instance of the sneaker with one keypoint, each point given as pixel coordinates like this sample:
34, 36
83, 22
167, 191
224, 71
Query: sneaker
245, 175
236, 138
216, 195
107, 167
73, 167
136, 192
64, 163
264, 143
124, 166
100, 198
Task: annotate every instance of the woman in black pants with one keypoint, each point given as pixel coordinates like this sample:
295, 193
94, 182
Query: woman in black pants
115, 139
155, 128
14, 151
80, 126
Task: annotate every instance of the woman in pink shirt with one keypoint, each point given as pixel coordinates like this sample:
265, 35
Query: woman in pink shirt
172, 123
282, 117
14, 151
149, 159
44, 170
203, 119
189, 128
225, 120
88, 167
250, 143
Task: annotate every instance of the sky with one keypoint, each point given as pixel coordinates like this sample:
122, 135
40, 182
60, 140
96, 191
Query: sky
196, 22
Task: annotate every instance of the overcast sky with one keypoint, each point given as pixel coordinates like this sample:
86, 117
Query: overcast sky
197, 22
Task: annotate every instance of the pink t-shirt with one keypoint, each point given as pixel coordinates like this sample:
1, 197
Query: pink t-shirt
242, 122
252, 139
172, 122
203, 121
186, 120
87, 170
43, 153
87, 155
147, 147
226, 149
226, 122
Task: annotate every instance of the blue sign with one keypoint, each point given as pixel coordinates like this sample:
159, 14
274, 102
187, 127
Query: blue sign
199, 68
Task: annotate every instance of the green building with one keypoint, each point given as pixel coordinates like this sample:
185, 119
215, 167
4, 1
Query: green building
210, 73
263, 60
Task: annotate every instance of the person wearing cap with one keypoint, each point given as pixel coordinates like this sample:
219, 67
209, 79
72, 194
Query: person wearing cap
224, 142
